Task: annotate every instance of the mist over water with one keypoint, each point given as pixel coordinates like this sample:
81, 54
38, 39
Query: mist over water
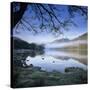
49, 62
64, 44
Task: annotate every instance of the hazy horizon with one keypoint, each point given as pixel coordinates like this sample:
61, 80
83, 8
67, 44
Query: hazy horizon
53, 39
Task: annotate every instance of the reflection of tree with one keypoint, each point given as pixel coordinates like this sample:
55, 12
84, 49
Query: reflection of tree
46, 15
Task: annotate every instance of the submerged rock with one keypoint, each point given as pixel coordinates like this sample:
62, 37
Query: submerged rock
53, 61
42, 58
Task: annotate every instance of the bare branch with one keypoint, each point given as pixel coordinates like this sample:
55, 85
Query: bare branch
23, 20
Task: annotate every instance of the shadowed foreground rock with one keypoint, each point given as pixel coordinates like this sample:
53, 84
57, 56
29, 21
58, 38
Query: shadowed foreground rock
34, 77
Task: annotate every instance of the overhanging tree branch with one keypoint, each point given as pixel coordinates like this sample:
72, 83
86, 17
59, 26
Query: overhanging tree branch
46, 16
17, 16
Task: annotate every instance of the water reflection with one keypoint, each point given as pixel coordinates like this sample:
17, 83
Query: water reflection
49, 63
64, 54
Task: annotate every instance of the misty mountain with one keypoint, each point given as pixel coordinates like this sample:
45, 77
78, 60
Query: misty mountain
21, 44
61, 40
81, 37
78, 44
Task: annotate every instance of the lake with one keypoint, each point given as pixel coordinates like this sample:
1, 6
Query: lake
53, 60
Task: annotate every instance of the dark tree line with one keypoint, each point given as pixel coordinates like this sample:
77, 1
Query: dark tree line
21, 44
46, 14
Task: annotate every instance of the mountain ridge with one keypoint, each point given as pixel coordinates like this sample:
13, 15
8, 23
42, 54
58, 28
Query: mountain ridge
81, 37
19, 43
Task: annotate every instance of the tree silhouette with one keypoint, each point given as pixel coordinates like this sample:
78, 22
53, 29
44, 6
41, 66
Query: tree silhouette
46, 14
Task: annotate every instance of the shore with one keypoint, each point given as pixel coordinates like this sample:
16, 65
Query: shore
35, 77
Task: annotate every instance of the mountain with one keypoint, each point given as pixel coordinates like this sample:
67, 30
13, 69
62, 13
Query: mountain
61, 40
19, 43
78, 48
81, 37
79, 44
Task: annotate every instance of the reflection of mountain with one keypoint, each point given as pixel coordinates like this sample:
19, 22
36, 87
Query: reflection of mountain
77, 47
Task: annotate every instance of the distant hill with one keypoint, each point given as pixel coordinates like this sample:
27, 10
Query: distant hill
75, 45
61, 40
20, 44
82, 37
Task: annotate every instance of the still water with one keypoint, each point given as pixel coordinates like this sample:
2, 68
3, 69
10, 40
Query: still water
48, 62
